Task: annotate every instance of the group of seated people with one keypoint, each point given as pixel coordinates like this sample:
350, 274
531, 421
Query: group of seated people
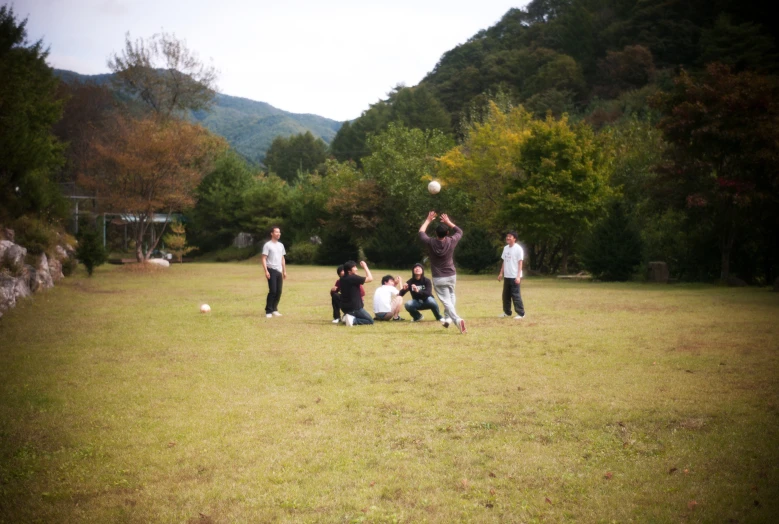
348, 292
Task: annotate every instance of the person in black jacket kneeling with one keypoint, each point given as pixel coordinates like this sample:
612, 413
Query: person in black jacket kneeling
421, 295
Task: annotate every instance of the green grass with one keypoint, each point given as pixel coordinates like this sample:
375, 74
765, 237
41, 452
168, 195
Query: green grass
120, 402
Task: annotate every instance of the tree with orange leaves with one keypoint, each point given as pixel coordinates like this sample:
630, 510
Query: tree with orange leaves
149, 166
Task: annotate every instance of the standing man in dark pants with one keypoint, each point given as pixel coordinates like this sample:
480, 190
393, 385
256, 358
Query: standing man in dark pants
275, 267
511, 268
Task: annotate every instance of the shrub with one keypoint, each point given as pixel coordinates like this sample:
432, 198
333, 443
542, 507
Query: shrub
302, 253
68, 266
232, 253
34, 235
90, 250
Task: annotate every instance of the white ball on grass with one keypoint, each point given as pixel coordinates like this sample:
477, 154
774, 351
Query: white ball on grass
434, 187
205, 308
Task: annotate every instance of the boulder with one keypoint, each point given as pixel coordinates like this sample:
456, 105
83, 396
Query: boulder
55, 270
657, 272
44, 273
734, 281
12, 289
159, 262
12, 253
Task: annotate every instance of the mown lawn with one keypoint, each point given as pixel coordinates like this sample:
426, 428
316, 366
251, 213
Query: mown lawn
120, 402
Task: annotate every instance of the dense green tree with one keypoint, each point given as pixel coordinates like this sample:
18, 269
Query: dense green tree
482, 166
402, 163
265, 204
415, 107
614, 250
478, 252
741, 46
562, 185
29, 151
217, 216
289, 157
90, 250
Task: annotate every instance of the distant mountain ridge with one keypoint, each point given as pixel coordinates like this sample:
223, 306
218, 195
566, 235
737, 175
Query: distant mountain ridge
249, 126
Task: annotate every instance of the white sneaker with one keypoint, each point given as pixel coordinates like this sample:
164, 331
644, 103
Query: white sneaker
349, 320
268, 316
276, 314
336, 320
503, 315
445, 322
519, 317
420, 319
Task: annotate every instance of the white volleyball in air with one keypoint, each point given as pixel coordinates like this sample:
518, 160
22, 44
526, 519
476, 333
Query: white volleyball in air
205, 308
434, 187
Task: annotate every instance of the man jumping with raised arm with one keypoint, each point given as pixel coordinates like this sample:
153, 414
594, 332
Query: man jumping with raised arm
441, 252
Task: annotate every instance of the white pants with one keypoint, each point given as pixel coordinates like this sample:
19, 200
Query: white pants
444, 288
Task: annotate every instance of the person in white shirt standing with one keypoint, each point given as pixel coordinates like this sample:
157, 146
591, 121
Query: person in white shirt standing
511, 268
275, 267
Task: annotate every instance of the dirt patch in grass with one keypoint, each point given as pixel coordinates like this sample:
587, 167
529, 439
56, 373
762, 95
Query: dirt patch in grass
614, 307
142, 269
85, 287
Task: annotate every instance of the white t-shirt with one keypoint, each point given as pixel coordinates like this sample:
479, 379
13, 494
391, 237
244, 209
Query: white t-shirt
274, 251
382, 299
511, 257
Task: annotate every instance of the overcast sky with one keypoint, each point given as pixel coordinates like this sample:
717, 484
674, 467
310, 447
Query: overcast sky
331, 58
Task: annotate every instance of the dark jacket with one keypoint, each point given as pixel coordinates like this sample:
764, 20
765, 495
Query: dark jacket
424, 285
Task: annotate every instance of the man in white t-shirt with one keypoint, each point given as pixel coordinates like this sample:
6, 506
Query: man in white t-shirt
275, 267
511, 268
386, 300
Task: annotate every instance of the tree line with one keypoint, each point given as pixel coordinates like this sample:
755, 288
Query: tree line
607, 134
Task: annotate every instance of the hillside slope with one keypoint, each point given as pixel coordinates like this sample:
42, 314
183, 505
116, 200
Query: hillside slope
248, 125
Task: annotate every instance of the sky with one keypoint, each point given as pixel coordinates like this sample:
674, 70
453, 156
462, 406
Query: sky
330, 58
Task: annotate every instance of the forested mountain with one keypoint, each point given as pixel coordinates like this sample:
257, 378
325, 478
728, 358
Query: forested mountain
596, 60
249, 126
563, 54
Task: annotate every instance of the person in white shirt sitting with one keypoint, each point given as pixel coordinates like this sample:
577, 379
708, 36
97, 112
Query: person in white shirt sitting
386, 300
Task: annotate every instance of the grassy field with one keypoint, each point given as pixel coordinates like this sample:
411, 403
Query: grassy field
120, 402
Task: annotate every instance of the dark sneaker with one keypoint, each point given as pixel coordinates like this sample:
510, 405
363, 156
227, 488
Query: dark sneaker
398, 319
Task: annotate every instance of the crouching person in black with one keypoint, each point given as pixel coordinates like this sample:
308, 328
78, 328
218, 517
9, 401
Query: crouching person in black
351, 300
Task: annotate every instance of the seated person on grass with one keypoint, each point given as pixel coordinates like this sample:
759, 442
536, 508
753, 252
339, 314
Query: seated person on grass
335, 295
386, 302
351, 300
421, 295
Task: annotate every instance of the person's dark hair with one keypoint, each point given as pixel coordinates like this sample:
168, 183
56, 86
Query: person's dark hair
349, 265
270, 231
386, 278
339, 270
513, 234
418, 264
441, 230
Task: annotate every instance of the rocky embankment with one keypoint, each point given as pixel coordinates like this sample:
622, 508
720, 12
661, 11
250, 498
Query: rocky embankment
19, 279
